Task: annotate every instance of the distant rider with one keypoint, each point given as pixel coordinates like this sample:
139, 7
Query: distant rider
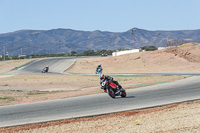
99, 69
46, 68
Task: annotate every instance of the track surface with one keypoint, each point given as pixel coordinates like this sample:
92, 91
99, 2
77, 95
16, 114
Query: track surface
56, 65
179, 91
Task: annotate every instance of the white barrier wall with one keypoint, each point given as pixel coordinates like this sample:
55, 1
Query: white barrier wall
160, 48
125, 52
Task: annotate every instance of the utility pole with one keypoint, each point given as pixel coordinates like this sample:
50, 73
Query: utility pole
21, 51
108, 43
167, 41
132, 32
158, 34
4, 50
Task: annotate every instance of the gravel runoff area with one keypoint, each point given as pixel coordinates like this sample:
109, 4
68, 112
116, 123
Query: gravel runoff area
184, 117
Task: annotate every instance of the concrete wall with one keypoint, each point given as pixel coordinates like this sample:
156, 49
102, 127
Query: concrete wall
160, 48
125, 52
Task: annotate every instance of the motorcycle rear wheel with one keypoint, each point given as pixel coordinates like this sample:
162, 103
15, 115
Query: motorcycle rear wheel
123, 94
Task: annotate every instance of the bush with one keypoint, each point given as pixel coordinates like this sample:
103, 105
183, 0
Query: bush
149, 48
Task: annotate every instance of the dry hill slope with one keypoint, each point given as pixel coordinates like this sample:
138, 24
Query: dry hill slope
176, 59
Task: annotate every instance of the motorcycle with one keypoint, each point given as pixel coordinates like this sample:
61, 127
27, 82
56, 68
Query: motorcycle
45, 70
112, 89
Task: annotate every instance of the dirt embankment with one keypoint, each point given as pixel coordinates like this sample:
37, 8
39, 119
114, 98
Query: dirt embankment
178, 59
191, 54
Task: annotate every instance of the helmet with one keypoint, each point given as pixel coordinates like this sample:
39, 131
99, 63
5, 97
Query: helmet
99, 65
101, 76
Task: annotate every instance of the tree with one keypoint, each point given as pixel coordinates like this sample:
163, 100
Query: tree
89, 52
73, 53
149, 48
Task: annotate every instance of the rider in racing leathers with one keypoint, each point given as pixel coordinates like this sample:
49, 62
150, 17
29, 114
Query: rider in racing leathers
102, 76
99, 69
46, 68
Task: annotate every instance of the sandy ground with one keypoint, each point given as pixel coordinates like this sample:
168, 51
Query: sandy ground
17, 89
6, 66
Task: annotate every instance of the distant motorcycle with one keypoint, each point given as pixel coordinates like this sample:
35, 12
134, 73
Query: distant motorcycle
104, 55
45, 70
112, 89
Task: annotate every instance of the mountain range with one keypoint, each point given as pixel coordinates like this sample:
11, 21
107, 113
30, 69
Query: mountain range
66, 40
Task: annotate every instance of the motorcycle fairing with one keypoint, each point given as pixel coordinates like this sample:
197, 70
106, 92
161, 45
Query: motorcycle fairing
113, 85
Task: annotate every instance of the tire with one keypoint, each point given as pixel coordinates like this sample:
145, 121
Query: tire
111, 93
123, 94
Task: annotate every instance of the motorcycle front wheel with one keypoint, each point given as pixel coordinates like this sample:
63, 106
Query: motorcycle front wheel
111, 93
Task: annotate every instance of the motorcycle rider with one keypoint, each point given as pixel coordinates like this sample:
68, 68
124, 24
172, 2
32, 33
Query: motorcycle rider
119, 91
46, 68
103, 77
99, 69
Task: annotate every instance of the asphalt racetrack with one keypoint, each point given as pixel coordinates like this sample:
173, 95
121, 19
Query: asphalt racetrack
56, 65
145, 97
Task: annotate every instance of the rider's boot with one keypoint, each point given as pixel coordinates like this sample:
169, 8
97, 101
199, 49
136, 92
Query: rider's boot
117, 91
120, 87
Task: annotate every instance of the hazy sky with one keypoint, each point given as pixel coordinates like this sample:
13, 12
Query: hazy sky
104, 15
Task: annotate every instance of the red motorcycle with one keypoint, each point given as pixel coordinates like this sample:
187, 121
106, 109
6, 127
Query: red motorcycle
112, 89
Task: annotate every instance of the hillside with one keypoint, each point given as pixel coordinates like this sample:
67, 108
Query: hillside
175, 59
65, 40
